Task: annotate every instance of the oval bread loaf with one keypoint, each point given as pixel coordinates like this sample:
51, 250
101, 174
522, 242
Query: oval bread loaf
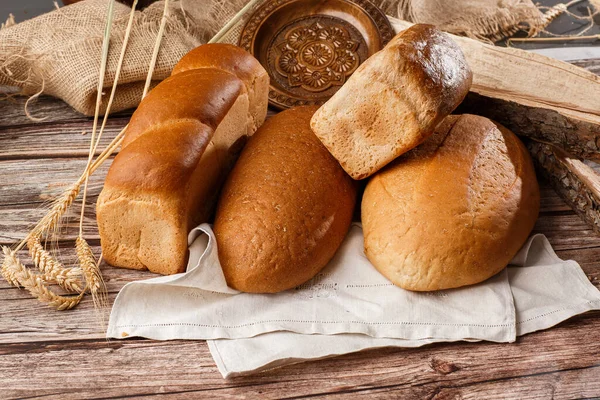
178, 148
284, 209
453, 211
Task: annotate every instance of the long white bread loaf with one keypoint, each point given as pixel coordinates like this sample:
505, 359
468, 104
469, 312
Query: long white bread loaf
179, 145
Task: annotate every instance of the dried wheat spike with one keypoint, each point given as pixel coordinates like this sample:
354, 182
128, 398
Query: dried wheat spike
91, 272
8, 266
19, 275
53, 271
58, 209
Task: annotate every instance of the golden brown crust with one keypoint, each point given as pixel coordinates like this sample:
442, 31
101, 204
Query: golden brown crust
178, 147
453, 211
225, 57
285, 208
206, 95
394, 100
437, 63
152, 164
237, 61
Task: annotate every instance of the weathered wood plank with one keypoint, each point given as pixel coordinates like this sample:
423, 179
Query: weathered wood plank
15, 223
35, 181
63, 139
569, 384
551, 202
566, 231
141, 367
12, 110
592, 65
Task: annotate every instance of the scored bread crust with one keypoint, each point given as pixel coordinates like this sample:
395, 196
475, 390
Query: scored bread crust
455, 210
394, 100
235, 60
285, 208
179, 145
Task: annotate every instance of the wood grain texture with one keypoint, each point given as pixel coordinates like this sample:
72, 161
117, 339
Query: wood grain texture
478, 370
530, 79
576, 182
576, 136
580, 138
56, 139
44, 353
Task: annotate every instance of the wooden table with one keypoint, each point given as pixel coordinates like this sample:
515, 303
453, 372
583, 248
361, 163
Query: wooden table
45, 353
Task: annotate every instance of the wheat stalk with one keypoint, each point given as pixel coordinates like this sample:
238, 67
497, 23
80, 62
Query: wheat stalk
101, 74
91, 272
159, 36
8, 268
233, 21
19, 275
117, 74
58, 208
53, 271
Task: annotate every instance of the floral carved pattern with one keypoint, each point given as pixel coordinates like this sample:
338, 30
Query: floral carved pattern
317, 57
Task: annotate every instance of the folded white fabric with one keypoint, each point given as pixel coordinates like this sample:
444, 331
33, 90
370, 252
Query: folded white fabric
348, 296
349, 306
546, 291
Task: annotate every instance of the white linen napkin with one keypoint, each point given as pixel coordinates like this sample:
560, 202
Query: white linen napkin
546, 291
348, 307
348, 296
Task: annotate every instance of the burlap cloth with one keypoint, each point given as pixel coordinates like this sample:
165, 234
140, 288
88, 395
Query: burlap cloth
487, 20
59, 53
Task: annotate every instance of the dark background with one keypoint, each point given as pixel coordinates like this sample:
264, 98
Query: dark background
565, 24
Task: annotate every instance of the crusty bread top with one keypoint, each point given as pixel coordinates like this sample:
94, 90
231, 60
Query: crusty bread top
435, 61
453, 211
394, 100
205, 95
226, 57
284, 209
166, 168
239, 62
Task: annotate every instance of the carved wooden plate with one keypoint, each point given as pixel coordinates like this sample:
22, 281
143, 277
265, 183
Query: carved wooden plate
311, 47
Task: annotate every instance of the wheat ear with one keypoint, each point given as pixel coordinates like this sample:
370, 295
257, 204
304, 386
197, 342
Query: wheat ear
16, 273
91, 272
53, 271
8, 268
57, 210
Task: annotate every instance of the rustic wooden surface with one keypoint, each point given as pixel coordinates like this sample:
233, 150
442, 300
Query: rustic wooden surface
44, 353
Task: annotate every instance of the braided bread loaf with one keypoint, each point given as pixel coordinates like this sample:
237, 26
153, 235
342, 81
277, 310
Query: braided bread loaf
179, 145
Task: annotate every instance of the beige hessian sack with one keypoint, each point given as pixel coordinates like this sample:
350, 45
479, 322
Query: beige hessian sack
486, 20
59, 53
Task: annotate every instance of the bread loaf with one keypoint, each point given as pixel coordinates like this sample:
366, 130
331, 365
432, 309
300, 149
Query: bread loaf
394, 100
178, 147
285, 208
455, 210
